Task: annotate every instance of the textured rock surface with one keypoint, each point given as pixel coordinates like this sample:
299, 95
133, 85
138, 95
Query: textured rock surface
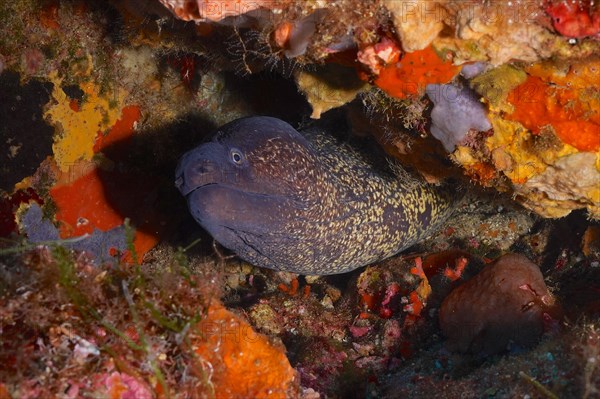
418, 22
572, 182
141, 88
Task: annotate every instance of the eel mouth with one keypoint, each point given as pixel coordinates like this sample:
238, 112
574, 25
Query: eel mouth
191, 176
193, 190
186, 189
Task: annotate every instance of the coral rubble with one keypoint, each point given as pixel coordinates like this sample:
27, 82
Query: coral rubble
108, 289
405, 46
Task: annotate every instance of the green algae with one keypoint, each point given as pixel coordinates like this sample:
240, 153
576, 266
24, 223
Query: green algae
496, 84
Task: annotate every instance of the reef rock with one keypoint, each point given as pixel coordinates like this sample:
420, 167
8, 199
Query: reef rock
572, 182
233, 12
417, 22
545, 135
496, 31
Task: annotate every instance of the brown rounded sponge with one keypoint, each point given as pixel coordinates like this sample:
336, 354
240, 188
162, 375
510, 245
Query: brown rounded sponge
503, 306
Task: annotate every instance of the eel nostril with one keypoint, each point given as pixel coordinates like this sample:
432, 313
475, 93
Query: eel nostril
204, 167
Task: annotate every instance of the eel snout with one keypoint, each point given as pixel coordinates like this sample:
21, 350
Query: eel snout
197, 169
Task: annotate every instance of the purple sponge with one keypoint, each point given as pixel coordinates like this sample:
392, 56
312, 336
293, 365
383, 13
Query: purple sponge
456, 111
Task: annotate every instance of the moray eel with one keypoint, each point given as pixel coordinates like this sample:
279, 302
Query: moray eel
304, 202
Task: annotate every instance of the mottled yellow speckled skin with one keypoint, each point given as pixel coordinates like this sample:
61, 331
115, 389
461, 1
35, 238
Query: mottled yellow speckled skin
306, 203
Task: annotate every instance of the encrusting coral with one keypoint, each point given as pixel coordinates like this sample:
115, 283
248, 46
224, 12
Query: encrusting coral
123, 332
511, 41
100, 99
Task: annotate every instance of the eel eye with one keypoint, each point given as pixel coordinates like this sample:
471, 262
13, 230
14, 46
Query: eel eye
236, 156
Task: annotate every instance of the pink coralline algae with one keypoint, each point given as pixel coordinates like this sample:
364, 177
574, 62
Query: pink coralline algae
378, 55
505, 306
124, 386
234, 12
575, 18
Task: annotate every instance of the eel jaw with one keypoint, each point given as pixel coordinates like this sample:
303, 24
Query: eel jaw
186, 187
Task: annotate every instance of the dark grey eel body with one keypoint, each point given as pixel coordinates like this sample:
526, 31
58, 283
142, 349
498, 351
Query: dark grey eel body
304, 202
